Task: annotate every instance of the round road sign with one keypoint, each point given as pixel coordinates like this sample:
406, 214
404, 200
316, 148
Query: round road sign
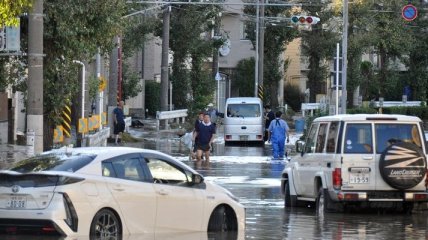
409, 12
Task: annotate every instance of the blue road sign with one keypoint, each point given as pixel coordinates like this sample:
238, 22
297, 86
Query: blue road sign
409, 12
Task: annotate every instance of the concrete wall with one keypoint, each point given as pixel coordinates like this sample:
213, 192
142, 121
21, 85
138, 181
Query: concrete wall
293, 74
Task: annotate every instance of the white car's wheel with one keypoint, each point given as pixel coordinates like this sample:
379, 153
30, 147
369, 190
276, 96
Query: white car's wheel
223, 219
105, 225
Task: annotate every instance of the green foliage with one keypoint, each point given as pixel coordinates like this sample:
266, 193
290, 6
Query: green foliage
10, 10
93, 84
276, 39
417, 75
318, 44
131, 83
420, 111
293, 97
136, 32
203, 85
74, 30
309, 119
13, 73
361, 110
188, 22
152, 98
244, 78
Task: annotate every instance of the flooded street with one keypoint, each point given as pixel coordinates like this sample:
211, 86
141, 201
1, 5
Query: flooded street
248, 172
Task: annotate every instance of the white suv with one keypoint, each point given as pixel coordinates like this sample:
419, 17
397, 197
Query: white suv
370, 160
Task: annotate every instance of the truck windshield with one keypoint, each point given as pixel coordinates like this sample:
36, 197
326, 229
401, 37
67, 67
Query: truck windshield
243, 110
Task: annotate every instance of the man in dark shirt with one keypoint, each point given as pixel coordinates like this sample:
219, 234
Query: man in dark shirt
199, 120
118, 121
269, 116
205, 135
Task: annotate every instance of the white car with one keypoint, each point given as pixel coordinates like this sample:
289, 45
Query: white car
110, 192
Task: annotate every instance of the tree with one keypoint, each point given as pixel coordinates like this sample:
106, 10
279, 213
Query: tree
244, 77
417, 60
10, 10
318, 45
276, 37
131, 84
188, 23
388, 35
74, 31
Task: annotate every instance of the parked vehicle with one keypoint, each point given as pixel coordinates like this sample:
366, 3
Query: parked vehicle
112, 191
370, 160
243, 120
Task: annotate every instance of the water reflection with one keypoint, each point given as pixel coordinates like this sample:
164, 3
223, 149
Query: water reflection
146, 236
303, 223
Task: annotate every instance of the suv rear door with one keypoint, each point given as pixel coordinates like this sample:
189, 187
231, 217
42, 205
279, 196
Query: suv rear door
387, 133
358, 165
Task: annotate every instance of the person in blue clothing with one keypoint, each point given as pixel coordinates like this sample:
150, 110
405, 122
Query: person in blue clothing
278, 132
119, 122
204, 135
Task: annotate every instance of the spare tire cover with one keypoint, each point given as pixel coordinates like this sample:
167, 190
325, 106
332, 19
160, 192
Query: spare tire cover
402, 165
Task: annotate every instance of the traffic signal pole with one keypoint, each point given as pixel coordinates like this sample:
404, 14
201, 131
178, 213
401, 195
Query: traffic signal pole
261, 50
344, 55
35, 80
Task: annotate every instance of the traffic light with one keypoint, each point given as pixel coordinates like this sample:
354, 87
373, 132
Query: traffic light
305, 20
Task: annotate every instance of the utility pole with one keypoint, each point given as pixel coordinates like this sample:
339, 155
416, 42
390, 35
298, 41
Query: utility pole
261, 50
35, 79
112, 84
256, 68
344, 55
164, 61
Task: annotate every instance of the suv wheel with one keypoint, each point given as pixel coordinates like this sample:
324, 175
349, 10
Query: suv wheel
325, 204
402, 165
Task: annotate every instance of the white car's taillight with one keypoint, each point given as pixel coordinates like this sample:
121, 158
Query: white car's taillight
71, 215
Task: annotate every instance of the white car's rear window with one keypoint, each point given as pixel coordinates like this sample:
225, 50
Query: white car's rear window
53, 162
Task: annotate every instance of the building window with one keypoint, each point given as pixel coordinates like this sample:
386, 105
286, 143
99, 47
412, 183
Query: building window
244, 30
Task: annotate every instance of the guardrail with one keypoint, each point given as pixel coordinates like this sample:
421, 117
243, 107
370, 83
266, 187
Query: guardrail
314, 106
310, 107
398, 104
166, 115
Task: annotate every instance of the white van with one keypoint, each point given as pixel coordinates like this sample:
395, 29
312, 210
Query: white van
243, 119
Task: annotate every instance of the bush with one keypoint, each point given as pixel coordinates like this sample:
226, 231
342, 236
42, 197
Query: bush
293, 97
152, 98
420, 111
361, 110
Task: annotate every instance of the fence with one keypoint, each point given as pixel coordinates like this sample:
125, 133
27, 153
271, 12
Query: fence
166, 115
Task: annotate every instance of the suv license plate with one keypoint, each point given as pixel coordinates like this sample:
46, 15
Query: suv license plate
17, 202
358, 178
243, 137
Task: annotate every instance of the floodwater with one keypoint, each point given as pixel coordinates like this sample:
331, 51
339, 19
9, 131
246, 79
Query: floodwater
247, 171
